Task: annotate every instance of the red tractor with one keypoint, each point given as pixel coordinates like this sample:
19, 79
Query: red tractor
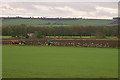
21, 42
15, 42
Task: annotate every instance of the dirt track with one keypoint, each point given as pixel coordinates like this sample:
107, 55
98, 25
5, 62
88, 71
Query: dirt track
84, 43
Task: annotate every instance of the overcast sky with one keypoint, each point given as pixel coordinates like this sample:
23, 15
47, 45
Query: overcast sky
101, 10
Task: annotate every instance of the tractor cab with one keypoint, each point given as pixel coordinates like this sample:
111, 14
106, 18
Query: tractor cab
22, 42
49, 42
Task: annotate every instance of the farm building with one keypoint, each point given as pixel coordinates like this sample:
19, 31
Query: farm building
31, 35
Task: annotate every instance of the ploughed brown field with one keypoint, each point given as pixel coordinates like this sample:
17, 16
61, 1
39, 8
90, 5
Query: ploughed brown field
78, 42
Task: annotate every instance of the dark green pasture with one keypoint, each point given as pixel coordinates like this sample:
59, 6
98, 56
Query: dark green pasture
59, 62
42, 23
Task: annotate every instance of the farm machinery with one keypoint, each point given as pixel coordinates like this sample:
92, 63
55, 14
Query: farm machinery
23, 42
20, 42
49, 42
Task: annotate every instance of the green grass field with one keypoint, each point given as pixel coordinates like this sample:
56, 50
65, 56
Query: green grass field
42, 23
107, 37
59, 62
5, 36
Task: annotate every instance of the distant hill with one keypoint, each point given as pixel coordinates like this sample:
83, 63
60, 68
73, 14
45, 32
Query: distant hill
39, 22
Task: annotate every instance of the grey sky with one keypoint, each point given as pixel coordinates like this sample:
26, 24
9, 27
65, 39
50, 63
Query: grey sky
60, 9
59, 0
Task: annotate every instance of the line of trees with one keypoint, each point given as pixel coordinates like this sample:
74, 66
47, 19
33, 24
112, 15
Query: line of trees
22, 30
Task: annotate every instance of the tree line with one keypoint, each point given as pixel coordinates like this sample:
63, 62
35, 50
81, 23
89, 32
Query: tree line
40, 32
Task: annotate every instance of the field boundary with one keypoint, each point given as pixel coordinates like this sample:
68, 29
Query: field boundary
76, 43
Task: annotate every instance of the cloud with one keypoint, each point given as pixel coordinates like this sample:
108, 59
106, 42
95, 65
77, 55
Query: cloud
41, 7
5, 5
60, 9
59, 0
105, 9
65, 9
13, 10
72, 10
6, 8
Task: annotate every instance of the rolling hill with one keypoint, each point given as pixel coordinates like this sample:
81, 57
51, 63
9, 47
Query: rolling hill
39, 22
